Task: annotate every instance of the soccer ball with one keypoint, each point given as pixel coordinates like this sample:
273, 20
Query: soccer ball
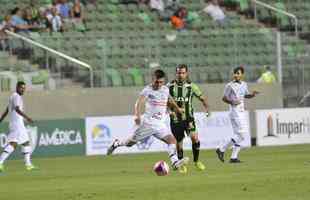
161, 168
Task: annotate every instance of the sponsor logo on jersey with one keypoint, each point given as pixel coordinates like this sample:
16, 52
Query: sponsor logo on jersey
151, 96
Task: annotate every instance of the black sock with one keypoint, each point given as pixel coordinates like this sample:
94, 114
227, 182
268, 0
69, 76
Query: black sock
180, 154
195, 148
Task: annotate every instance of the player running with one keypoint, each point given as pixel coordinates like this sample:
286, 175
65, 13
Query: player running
183, 91
234, 94
156, 99
17, 131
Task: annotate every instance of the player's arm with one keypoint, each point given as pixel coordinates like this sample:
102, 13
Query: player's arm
248, 94
251, 95
173, 105
138, 108
18, 110
4, 114
204, 101
227, 92
226, 100
202, 98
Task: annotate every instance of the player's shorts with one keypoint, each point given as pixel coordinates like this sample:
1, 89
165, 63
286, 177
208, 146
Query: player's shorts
146, 130
179, 129
18, 135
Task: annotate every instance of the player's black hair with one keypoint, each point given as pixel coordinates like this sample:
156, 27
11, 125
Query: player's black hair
20, 83
267, 67
15, 10
181, 66
240, 68
159, 74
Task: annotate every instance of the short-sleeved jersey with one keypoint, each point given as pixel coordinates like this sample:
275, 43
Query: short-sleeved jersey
183, 94
16, 120
236, 91
155, 105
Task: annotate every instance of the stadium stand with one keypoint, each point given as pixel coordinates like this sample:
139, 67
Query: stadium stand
122, 42
300, 8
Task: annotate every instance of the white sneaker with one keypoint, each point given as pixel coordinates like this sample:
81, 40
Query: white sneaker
176, 165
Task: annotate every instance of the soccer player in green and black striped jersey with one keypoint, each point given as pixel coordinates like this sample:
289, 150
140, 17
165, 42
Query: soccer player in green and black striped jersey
183, 91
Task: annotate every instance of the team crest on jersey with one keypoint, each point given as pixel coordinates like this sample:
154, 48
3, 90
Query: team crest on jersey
151, 96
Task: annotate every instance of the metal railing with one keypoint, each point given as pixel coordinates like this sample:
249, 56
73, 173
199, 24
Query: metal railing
256, 2
62, 55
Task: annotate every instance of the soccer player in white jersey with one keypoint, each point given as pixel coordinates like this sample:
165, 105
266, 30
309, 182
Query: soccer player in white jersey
156, 98
234, 94
17, 131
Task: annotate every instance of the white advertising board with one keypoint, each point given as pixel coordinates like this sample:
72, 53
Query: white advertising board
101, 132
283, 126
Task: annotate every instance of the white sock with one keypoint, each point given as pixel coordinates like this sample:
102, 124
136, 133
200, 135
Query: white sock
226, 145
235, 151
27, 155
172, 152
8, 149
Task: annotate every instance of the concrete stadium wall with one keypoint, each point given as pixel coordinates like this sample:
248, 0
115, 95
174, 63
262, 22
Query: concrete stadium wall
78, 103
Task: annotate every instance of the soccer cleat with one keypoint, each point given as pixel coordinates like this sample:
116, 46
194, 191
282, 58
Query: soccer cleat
200, 166
1, 168
177, 164
235, 160
112, 147
183, 169
220, 154
31, 168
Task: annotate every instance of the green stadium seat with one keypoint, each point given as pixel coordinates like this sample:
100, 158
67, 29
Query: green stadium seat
114, 76
137, 76
5, 83
244, 5
283, 19
41, 78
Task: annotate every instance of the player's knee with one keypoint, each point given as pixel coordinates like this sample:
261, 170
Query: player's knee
194, 138
130, 143
173, 140
179, 145
238, 138
170, 139
179, 138
13, 144
241, 138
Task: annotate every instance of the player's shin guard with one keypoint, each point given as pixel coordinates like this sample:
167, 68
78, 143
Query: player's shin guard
26, 150
235, 151
172, 152
8, 149
196, 148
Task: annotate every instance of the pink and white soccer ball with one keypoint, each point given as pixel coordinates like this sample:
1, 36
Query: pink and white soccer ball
161, 168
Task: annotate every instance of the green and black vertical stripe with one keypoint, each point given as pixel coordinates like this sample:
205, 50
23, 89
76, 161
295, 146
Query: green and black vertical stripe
183, 95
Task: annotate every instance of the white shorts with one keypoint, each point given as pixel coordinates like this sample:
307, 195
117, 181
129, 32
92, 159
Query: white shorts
19, 136
146, 130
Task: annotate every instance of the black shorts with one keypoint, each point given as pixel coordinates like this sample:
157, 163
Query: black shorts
179, 129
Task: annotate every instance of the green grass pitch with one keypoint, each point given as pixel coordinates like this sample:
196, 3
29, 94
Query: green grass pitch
270, 173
